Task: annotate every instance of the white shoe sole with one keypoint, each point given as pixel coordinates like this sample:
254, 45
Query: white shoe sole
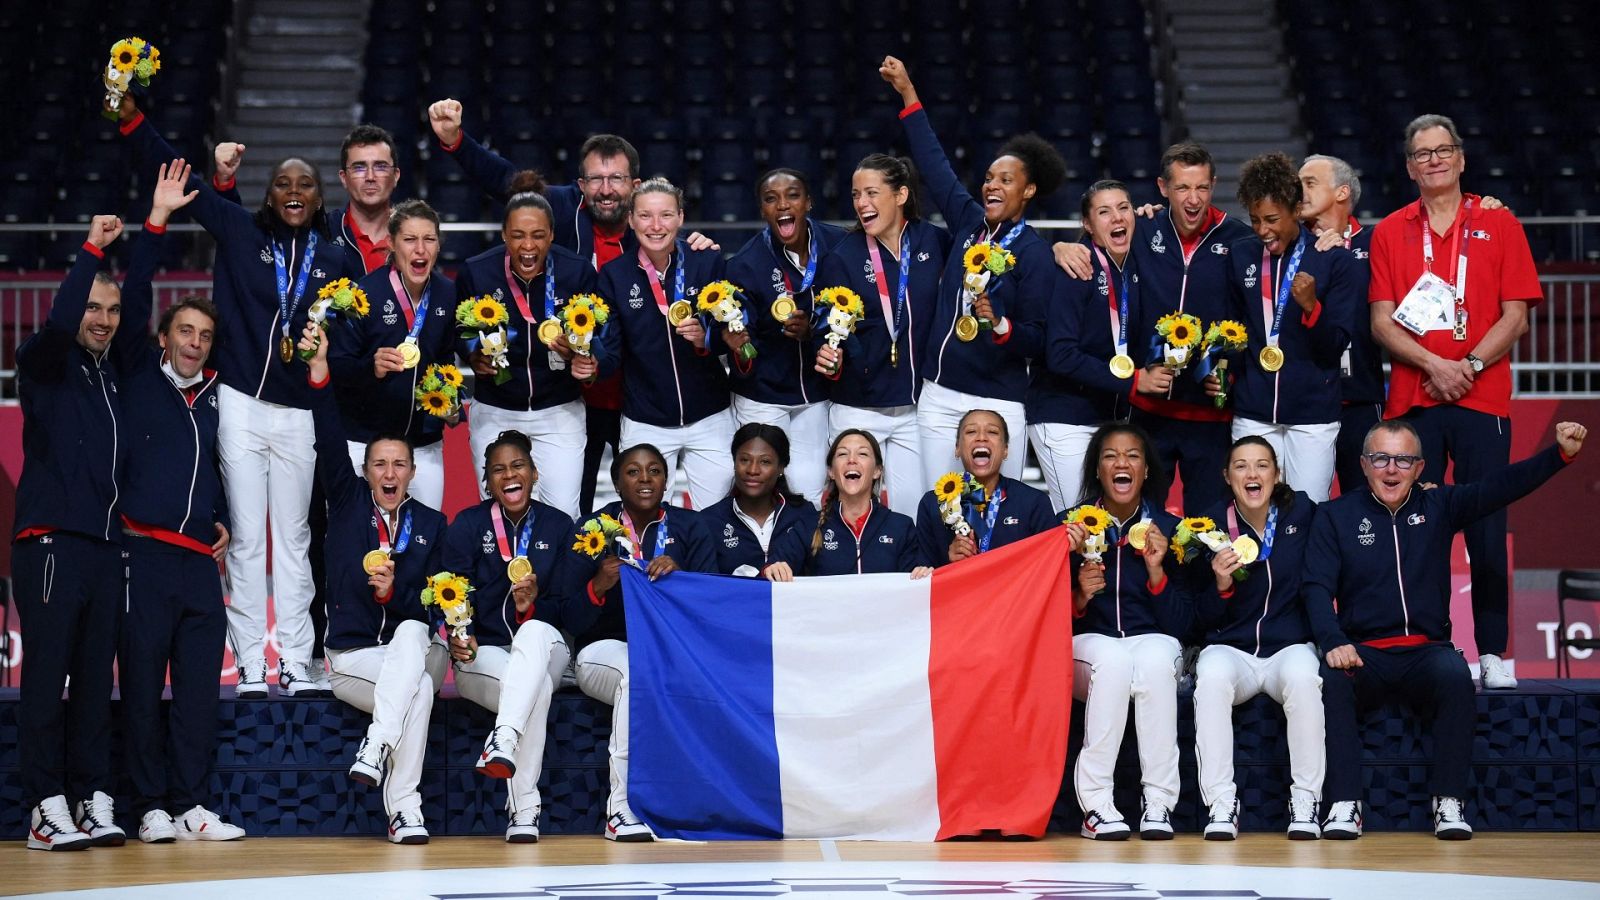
159, 838
81, 844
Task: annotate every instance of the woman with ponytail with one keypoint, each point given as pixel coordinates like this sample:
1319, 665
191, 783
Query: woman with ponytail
533, 279
762, 527
855, 533
1258, 639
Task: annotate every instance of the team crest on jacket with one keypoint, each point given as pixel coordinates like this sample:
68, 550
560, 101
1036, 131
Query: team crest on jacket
488, 542
1219, 249
389, 315
318, 273
1101, 286
635, 299
500, 294
266, 257
541, 545
777, 279
729, 538
1365, 535
923, 256
213, 400
828, 540
1292, 529
1250, 276
1157, 243
1363, 254
1416, 519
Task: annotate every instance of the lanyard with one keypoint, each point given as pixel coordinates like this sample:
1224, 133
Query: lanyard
1118, 303
1272, 316
1460, 239
811, 260
287, 304
1266, 536
661, 532
404, 539
415, 318
524, 534
522, 300
990, 516
655, 280
1005, 242
1117, 537
891, 314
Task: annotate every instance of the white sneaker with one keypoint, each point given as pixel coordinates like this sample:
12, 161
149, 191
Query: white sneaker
625, 827
319, 674
51, 827
498, 759
1450, 820
1303, 817
405, 827
1156, 822
1105, 826
201, 824
252, 683
1494, 675
372, 761
98, 820
1223, 822
524, 827
156, 828
294, 680
1343, 822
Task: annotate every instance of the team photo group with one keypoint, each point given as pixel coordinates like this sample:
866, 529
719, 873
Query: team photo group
822, 401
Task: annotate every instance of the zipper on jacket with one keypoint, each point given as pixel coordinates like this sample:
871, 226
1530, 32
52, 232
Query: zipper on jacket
116, 493
1399, 574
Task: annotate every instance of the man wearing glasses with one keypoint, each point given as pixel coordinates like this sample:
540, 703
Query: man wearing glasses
1384, 552
1449, 329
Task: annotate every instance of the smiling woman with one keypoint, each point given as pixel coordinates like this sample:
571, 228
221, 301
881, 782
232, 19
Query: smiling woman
1000, 511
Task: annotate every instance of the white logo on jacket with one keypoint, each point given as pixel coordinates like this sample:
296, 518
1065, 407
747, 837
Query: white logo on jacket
488, 543
1100, 285
1292, 529
213, 400
422, 540
729, 539
1011, 520
1157, 243
885, 539
1416, 519
1366, 537
1219, 249
635, 299
266, 257
828, 542
1250, 276
923, 256
389, 315
1481, 235
318, 273
541, 545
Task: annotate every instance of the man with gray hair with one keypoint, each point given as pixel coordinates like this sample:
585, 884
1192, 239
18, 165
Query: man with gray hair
1331, 189
1449, 331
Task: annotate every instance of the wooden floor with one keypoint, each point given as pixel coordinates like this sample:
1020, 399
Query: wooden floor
1569, 856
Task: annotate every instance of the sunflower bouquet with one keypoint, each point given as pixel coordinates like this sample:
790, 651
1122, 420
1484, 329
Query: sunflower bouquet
845, 309
720, 301
598, 536
580, 316
1095, 521
338, 296
488, 317
439, 390
982, 262
447, 592
1193, 531
132, 59
1226, 336
1181, 334
949, 490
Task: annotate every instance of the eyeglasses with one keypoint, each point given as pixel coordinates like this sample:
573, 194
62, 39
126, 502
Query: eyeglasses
614, 180
1382, 460
1443, 153
379, 169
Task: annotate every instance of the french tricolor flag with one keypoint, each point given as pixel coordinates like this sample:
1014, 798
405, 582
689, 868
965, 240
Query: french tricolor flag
858, 707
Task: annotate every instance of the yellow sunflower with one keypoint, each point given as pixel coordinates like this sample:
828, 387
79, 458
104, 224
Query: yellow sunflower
435, 403
489, 311
124, 55
1231, 331
713, 294
332, 288
451, 376
590, 543
609, 524
948, 488
359, 307
1092, 518
1182, 335
1198, 524
976, 259
580, 320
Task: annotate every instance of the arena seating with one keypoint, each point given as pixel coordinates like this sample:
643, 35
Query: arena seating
1519, 87
61, 162
732, 87
281, 767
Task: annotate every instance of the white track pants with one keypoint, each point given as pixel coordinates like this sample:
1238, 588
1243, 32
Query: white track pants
807, 429
703, 447
558, 435
427, 483
603, 675
1306, 453
268, 463
1060, 450
516, 683
1108, 672
939, 411
1226, 677
895, 427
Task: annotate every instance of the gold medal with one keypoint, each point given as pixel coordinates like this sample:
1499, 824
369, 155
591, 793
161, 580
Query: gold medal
679, 313
894, 355
1136, 534
783, 307
1122, 367
1271, 358
518, 569
374, 560
286, 349
966, 328
409, 354
1247, 548
549, 332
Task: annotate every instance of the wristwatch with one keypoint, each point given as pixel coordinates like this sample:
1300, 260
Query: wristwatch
1475, 363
